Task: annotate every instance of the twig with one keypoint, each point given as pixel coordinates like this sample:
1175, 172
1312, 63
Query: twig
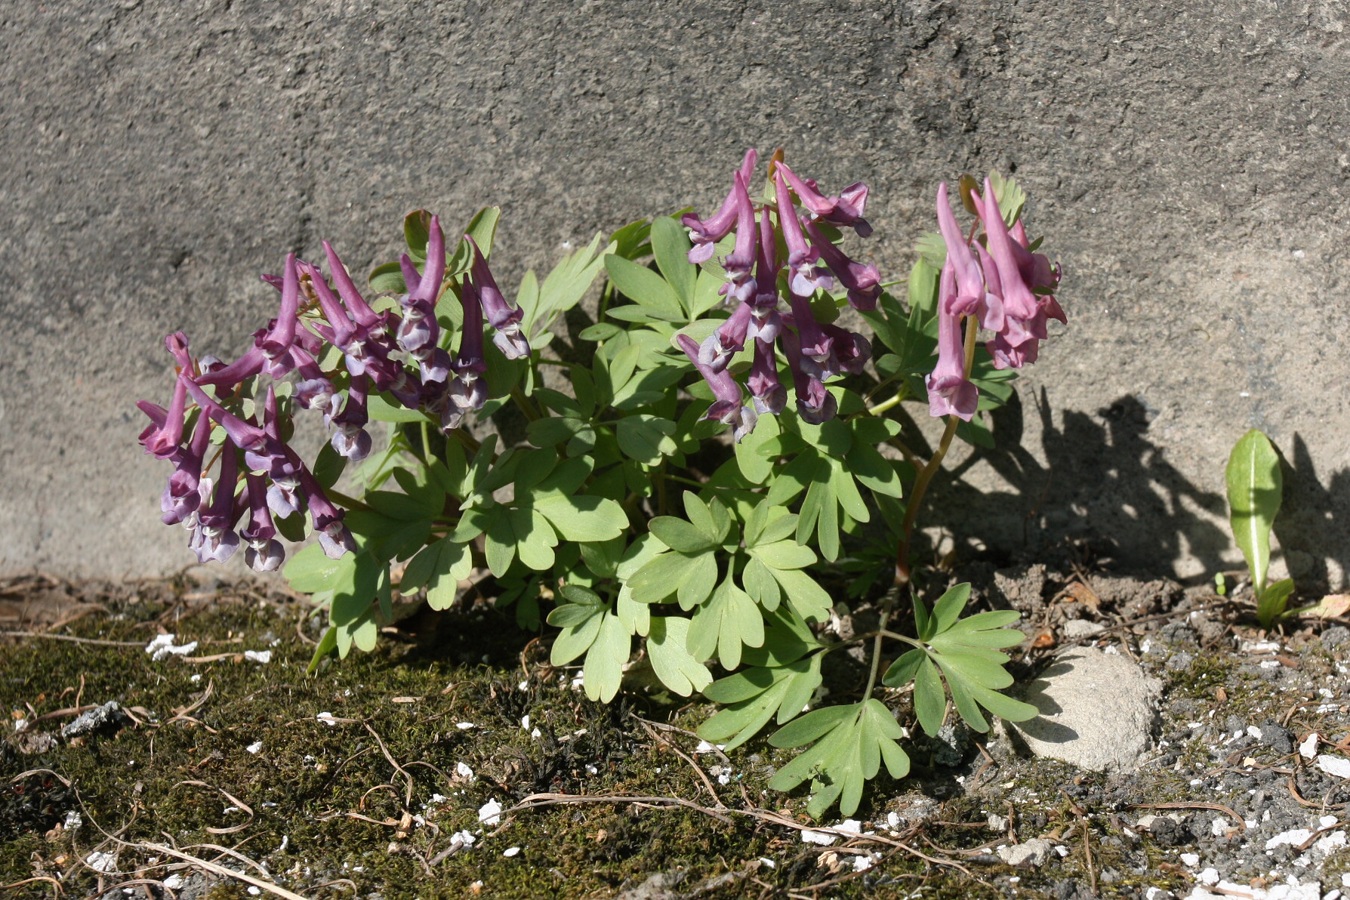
1216, 807
244, 807
535, 801
14, 884
72, 638
707, 782
407, 799
267, 886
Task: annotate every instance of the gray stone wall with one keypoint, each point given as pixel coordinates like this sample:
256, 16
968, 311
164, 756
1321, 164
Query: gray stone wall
1187, 163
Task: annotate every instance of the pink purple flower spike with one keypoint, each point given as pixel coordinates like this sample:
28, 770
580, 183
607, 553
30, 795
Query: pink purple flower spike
950, 392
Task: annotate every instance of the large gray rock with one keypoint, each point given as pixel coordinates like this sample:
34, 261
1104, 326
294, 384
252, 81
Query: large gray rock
1187, 163
1098, 711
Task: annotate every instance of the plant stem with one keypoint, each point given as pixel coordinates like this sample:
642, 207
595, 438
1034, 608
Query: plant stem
886, 405
926, 474
524, 405
876, 653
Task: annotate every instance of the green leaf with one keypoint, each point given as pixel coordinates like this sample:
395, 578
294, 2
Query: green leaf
386, 278
812, 726
670, 246
602, 672
663, 575
948, 607
644, 287
417, 232
483, 228
1272, 602
728, 622
783, 555
811, 601
579, 618
646, 438
929, 696
1010, 196
905, 669
851, 742
1255, 490
582, 517
761, 585
381, 410
439, 567
310, 571
754, 453
752, 697
679, 535
711, 518
674, 665
562, 290
327, 645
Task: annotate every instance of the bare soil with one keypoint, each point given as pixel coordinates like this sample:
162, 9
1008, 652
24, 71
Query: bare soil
225, 770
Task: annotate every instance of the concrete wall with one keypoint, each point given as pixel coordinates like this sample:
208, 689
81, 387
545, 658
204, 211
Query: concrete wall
1186, 162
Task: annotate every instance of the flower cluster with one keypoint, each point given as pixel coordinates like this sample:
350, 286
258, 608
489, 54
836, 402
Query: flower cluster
780, 318
1006, 288
397, 352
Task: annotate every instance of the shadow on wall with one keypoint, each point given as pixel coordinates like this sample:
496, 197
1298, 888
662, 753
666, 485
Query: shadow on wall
1312, 523
1105, 487
1108, 489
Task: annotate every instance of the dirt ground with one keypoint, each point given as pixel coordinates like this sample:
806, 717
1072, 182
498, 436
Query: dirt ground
454, 761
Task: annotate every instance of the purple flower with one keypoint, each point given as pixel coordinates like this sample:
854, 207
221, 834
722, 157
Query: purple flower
845, 210
767, 321
327, 518
1018, 300
706, 233
861, 280
768, 392
418, 332
815, 404
264, 552
739, 265
213, 536
950, 393
350, 438
245, 435
728, 340
181, 497
466, 391
727, 406
504, 318
804, 278
279, 339
969, 277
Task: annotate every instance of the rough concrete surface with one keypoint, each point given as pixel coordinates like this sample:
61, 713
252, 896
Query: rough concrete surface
1186, 162
1098, 711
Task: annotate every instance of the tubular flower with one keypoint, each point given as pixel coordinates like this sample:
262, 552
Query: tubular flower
727, 406
778, 322
504, 318
999, 282
950, 392
400, 354
706, 233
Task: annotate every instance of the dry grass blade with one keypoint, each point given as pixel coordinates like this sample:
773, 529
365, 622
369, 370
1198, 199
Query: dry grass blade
266, 886
244, 807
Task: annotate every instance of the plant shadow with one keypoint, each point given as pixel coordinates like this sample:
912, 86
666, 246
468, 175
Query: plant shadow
1105, 489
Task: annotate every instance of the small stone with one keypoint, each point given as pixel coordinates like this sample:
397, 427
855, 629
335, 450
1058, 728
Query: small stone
1075, 629
1098, 711
1028, 854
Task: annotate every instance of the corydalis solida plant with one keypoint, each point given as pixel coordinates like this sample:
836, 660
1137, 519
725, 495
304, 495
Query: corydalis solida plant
396, 352
616, 512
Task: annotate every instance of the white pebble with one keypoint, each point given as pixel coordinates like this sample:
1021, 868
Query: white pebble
490, 813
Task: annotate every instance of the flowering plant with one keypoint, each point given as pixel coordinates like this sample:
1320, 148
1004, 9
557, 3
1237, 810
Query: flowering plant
591, 479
